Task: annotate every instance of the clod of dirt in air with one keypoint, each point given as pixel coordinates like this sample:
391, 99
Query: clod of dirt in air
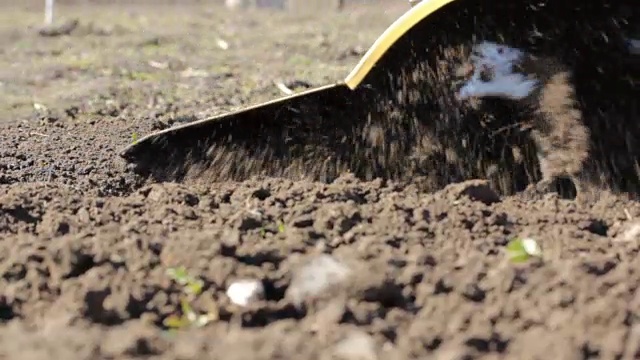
356, 346
315, 276
521, 250
245, 292
65, 28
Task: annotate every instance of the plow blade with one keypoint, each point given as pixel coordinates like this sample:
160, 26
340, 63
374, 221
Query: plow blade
395, 115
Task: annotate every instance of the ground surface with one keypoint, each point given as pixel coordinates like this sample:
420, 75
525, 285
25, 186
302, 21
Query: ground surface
85, 247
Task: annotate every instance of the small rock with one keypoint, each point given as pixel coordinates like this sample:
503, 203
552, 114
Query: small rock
245, 292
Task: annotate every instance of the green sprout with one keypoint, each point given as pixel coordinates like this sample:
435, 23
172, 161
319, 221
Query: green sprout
134, 137
264, 230
191, 287
521, 250
190, 284
189, 318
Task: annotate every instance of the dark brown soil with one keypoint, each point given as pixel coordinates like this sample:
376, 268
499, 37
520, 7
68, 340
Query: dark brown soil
86, 245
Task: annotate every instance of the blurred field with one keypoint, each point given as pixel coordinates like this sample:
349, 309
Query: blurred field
174, 51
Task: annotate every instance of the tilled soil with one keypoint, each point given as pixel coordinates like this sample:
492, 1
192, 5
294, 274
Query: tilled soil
86, 245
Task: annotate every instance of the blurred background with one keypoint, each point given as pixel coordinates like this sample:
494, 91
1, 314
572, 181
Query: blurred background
145, 61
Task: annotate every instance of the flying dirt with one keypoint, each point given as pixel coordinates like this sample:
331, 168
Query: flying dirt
396, 116
547, 107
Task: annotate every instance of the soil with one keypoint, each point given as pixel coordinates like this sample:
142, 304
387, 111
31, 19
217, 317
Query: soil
86, 245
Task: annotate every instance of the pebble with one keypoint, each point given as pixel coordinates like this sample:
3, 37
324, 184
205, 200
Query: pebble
245, 292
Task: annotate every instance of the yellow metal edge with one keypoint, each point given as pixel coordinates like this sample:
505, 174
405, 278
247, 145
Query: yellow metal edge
282, 100
390, 36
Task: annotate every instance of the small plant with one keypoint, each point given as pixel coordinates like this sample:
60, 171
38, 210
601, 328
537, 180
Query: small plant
192, 287
134, 137
521, 250
263, 230
189, 318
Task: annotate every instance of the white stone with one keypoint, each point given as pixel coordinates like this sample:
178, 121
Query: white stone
245, 292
